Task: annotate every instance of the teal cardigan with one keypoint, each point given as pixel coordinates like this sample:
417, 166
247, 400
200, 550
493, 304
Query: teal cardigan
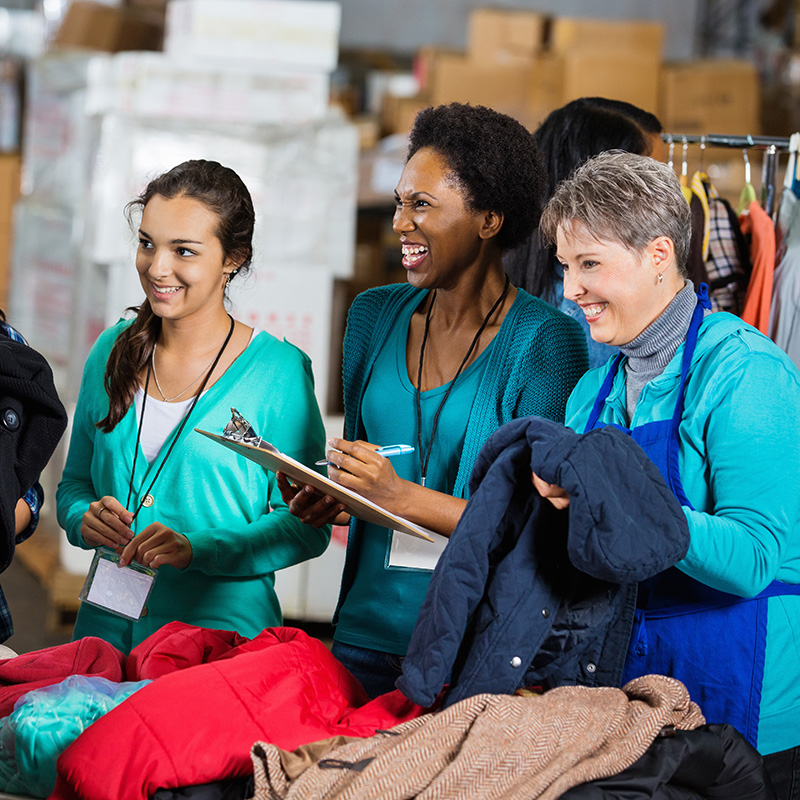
739, 461
230, 509
536, 359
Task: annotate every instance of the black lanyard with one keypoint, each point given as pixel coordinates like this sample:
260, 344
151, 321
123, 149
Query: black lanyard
425, 456
147, 495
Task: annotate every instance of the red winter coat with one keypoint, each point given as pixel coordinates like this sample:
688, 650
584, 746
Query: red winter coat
215, 693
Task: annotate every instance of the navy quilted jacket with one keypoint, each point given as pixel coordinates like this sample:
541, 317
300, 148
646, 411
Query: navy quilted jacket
528, 595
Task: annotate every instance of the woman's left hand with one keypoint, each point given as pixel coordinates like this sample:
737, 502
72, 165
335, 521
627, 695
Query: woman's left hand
156, 546
357, 466
557, 496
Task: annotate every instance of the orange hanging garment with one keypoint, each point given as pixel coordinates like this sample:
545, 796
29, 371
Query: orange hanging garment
762, 253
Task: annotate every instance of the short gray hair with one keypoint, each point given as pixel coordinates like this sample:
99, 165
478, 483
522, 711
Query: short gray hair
626, 198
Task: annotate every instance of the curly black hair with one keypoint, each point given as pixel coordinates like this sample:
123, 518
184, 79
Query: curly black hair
494, 159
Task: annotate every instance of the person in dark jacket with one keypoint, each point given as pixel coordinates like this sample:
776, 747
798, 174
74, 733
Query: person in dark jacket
32, 421
524, 595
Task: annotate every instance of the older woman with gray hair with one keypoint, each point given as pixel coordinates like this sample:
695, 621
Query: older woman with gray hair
716, 406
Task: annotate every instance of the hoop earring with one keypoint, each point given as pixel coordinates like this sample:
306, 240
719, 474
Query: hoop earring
661, 277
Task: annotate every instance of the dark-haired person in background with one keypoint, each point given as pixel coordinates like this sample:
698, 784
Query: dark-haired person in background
568, 137
137, 478
32, 421
439, 362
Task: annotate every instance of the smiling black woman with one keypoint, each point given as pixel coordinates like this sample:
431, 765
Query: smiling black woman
439, 363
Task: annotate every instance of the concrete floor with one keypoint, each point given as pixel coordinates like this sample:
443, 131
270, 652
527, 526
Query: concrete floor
28, 602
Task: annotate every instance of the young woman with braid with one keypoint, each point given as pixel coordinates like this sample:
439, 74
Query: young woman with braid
137, 478
439, 362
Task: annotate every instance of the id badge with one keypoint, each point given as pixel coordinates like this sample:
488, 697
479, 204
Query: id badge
411, 552
119, 590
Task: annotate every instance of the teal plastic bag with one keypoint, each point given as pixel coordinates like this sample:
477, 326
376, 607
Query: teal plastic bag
45, 722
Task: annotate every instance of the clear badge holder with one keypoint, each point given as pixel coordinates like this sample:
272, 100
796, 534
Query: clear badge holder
119, 590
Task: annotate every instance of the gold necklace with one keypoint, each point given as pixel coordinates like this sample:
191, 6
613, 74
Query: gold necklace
158, 385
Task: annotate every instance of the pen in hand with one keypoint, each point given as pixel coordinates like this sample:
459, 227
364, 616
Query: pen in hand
387, 451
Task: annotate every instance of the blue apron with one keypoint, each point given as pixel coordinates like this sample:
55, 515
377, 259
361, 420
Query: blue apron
712, 641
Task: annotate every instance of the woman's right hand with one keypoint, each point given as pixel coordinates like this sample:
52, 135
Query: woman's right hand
555, 494
106, 523
309, 507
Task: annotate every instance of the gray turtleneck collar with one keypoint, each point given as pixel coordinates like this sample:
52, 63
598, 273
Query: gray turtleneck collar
650, 352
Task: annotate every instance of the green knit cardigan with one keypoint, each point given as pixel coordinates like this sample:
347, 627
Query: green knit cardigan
537, 357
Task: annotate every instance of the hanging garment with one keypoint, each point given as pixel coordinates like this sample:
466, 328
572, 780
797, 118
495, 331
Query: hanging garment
717, 240
784, 318
32, 420
492, 747
698, 246
762, 254
526, 595
676, 616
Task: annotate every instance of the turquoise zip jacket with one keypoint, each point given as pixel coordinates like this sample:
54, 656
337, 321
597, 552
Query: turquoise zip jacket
230, 509
739, 462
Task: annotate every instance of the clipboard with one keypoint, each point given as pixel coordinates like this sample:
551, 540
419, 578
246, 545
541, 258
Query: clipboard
269, 457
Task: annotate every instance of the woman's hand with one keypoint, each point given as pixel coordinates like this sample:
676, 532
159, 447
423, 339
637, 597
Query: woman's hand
555, 494
106, 523
357, 466
156, 546
309, 507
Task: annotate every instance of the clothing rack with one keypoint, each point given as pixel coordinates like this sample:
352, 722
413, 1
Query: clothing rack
772, 146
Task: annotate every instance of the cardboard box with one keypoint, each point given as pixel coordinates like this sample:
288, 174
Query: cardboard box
299, 33
578, 35
96, 26
527, 93
497, 36
5, 272
398, 113
633, 78
710, 96
9, 188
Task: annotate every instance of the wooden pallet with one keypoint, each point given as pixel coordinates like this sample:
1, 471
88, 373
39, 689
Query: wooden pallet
40, 555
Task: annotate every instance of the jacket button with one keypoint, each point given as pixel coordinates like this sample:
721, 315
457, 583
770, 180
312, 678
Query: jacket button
144, 612
516, 662
10, 419
591, 667
545, 612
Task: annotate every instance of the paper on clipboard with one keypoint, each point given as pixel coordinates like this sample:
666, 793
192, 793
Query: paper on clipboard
272, 459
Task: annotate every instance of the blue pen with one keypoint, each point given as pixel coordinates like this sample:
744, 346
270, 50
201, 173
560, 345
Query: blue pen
386, 451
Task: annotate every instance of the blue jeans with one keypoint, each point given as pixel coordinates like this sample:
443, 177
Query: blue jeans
375, 671
784, 771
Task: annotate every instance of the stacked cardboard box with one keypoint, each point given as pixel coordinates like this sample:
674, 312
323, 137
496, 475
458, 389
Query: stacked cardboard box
710, 96
110, 28
526, 64
9, 190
